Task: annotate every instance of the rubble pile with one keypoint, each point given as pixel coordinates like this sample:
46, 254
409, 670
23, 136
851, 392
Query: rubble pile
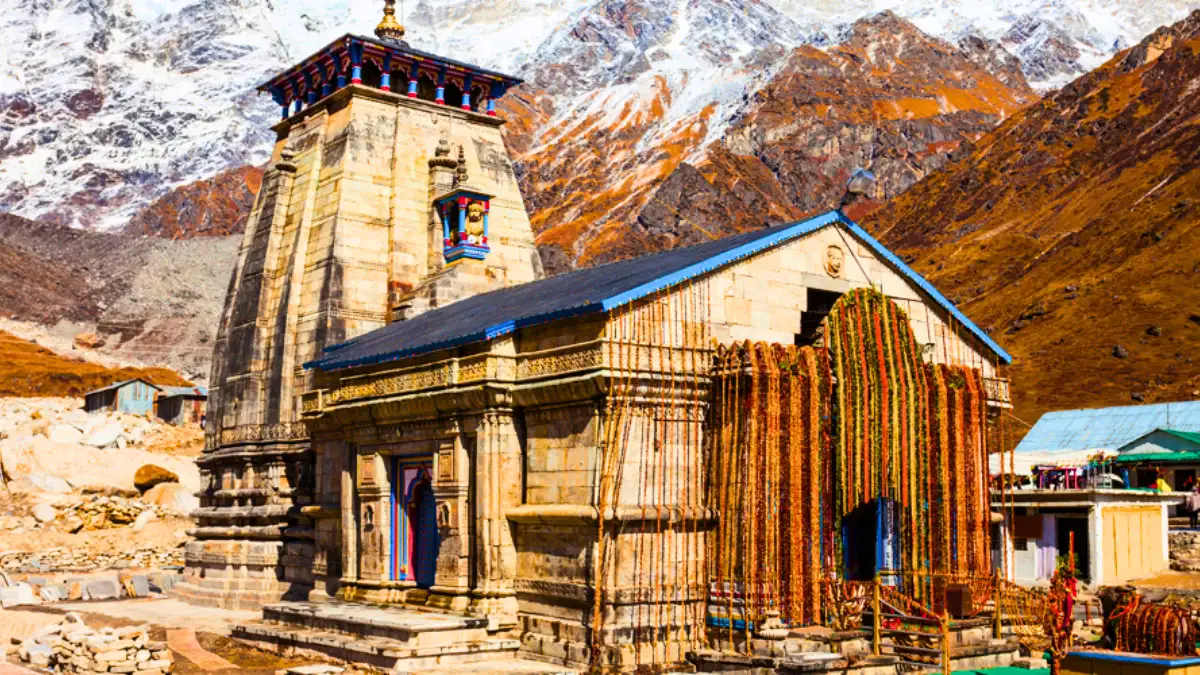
65, 559
98, 512
73, 647
1185, 551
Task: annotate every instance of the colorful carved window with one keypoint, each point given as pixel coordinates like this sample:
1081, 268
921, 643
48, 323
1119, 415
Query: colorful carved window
464, 215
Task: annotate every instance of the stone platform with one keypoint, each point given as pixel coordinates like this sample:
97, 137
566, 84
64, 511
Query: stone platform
391, 638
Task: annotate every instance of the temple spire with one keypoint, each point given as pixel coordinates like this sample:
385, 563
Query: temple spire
389, 28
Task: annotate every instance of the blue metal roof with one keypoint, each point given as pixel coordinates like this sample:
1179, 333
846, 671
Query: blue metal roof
594, 290
1107, 428
118, 385
168, 392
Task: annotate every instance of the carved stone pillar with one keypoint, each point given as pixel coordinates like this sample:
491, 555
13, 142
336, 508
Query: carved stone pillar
498, 461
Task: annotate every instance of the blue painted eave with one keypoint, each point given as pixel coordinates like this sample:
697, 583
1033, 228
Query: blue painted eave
673, 278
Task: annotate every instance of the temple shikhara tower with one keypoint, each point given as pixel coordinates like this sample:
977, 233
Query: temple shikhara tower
378, 204
421, 453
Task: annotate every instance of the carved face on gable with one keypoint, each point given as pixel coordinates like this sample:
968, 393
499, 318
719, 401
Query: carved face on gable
835, 261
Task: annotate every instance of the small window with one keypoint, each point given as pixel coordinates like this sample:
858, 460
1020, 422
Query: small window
1020, 544
812, 319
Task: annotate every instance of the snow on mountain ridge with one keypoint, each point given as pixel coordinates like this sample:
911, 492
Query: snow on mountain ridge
108, 104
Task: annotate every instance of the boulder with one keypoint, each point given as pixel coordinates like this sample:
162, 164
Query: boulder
172, 496
44, 513
64, 433
143, 518
89, 341
43, 482
103, 435
150, 475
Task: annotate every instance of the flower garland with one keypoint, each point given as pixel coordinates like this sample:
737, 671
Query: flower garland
798, 438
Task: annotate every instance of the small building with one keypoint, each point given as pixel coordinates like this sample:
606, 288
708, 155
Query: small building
135, 397
182, 405
1174, 453
1071, 437
1119, 535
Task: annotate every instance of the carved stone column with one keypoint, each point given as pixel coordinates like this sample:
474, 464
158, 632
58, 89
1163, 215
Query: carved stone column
498, 461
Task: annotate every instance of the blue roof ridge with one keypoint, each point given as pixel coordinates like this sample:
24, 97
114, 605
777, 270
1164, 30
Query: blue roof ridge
769, 238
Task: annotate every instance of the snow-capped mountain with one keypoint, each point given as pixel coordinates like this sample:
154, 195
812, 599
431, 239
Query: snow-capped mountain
106, 105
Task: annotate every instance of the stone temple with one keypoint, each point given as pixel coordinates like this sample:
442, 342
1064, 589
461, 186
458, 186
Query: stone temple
422, 453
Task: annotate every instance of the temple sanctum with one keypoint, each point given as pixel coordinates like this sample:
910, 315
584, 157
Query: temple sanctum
420, 452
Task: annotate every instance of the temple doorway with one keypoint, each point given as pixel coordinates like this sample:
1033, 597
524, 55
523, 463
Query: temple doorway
870, 541
414, 521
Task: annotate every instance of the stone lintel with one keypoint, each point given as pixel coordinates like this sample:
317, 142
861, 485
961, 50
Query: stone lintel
572, 514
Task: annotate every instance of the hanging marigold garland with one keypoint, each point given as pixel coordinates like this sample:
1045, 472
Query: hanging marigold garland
798, 438
767, 476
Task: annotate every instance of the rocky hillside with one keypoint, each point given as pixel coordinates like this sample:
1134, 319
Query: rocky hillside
888, 97
28, 369
214, 207
149, 300
1072, 232
105, 107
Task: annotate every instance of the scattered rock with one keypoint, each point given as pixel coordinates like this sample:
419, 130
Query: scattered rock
64, 433
1034, 311
150, 475
1195, 318
1120, 352
143, 519
1015, 326
103, 589
89, 341
1138, 396
44, 513
172, 496
1154, 330
1071, 289
103, 435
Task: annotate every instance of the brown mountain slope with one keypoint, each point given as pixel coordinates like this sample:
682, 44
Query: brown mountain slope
1073, 232
27, 369
207, 208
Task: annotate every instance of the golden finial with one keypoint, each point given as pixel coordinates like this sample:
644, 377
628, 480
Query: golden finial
389, 28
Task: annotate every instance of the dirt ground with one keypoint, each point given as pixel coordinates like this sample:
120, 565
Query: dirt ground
1178, 580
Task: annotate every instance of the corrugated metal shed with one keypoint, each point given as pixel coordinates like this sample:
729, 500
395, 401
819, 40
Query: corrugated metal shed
594, 290
1107, 428
118, 385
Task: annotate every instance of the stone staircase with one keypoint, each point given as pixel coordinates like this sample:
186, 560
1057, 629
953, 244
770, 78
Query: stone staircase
397, 640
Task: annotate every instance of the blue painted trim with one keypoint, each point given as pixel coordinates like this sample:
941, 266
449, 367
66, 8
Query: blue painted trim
797, 230
1160, 661
920, 281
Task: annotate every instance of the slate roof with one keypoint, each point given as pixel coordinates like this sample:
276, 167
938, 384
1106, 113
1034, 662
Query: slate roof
1108, 428
118, 385
594, 290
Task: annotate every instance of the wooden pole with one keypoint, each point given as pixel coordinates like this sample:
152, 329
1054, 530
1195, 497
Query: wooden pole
945, 643
876, 617
997, 621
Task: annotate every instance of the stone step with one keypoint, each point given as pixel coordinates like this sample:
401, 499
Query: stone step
406, 626
514, 667
394, 655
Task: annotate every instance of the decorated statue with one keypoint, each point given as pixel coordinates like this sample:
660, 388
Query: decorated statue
475, 223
